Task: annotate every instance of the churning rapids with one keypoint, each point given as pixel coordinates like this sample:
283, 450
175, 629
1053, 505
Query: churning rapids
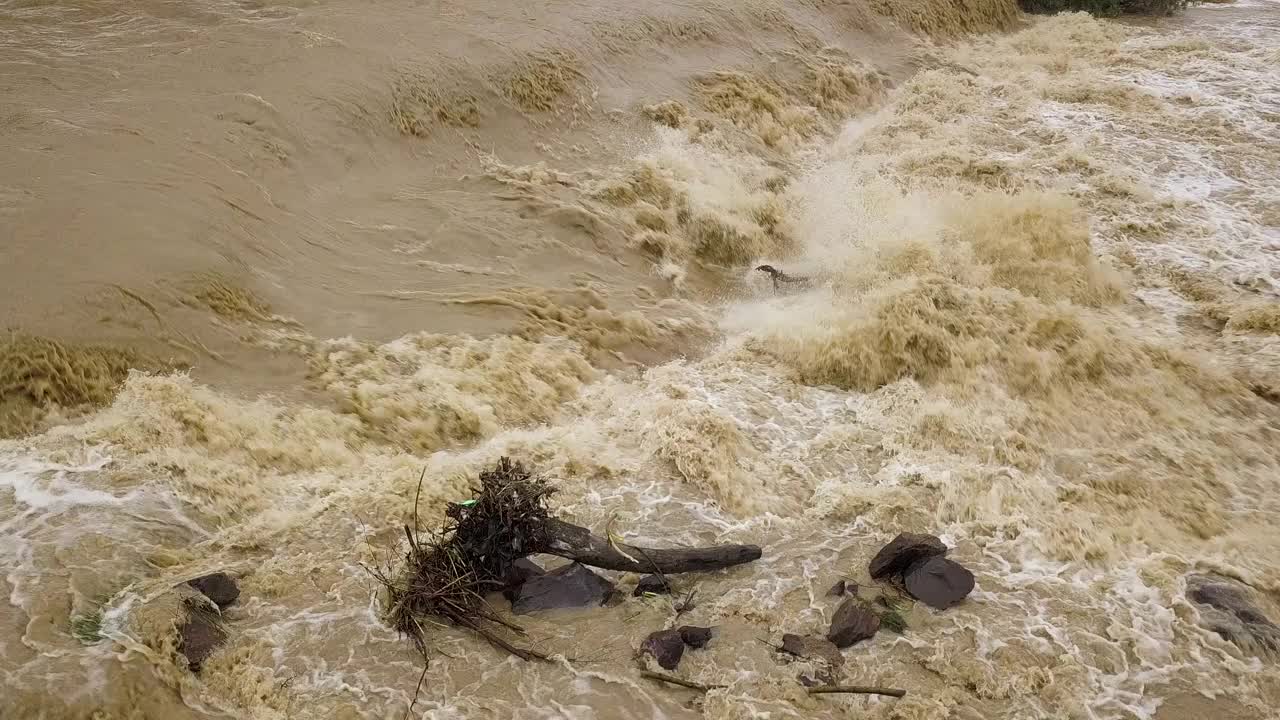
265, 262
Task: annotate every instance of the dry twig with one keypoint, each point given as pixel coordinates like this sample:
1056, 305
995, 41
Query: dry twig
677, 681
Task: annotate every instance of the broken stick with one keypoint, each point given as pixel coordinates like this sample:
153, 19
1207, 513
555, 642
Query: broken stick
662, 677
780, 278
819, 690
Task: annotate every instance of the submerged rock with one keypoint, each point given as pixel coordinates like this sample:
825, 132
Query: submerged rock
939, 582
1227, 608
518, 574
839, 589
201, 632
904, 551
654, 584
567, 587
666, 646
812, 648
219, 587
694, 636
851, 623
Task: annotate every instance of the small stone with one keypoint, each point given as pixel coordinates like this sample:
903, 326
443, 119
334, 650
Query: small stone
666, 646
939, 582
654, 584
852, 623
903, 552
812, 648
570, 586
694, 636
837, 590
200, 634
219, 587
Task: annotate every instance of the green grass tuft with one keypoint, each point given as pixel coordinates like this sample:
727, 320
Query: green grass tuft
87, 628
891, 617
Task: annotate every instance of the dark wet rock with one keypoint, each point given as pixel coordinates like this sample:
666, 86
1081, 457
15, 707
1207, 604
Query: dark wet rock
838, 590
666, 646
570, 586
655, 584
518, 574
904, 551
201, 632
812, 648
852, 622
523, 569
694, 636
938, 582
1221, 593
1227, 607
219, 587
808, 681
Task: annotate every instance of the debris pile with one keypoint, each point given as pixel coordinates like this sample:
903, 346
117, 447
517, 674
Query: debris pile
483, 548
448, 574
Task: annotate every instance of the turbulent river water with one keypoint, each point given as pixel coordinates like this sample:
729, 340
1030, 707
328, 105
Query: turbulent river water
265, 262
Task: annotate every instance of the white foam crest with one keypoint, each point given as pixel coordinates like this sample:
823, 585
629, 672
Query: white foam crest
47, 486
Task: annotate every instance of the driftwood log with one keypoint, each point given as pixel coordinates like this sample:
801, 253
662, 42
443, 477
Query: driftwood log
579, 544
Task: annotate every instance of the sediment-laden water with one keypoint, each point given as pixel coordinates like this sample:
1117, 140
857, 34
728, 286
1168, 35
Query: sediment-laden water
338, 243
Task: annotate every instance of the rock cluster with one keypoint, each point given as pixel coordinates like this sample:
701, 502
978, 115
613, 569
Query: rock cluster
667, 646
202, 631
913, 563
917, 562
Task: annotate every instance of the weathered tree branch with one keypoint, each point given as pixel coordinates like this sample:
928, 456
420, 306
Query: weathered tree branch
819, 690
578, 543
663, 677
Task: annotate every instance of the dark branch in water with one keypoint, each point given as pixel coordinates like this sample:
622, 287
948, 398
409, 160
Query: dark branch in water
820, 690
780, 278
662, 677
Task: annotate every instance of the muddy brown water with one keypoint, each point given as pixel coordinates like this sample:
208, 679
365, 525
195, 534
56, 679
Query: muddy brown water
350, 241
